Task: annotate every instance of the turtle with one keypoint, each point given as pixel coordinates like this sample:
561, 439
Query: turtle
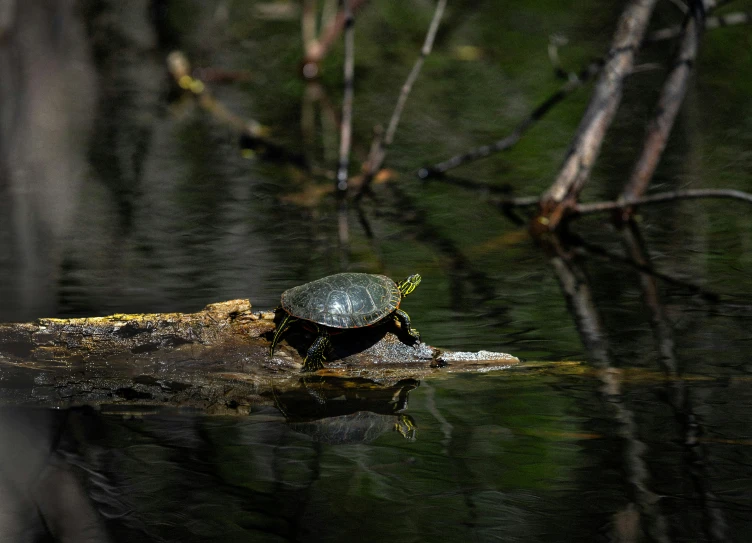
342, 301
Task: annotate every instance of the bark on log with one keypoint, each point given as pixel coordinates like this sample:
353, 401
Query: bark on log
216, 360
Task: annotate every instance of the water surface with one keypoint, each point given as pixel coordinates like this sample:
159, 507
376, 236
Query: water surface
120, 193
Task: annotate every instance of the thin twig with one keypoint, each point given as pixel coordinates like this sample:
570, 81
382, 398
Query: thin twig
574, 81
377, 159
681, 6
717, 21
554, 42
407, 87
599, 207
318, 50
657, 198
308, 24
343, 232
510, 140
669, 102
347, 100
600, 112
521, 201
482, 187
329, 12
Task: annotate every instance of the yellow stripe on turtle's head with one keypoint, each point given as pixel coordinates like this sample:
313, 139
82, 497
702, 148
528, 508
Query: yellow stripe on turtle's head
408, 285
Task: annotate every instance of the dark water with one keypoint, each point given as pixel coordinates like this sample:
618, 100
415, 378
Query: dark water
120, 193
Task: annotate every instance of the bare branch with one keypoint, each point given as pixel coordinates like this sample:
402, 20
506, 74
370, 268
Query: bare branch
672, 96
510, 140
600, 112
345, 139
599, 207
521, 201
317, 50
718, 21
407, 87
657, 198
308, 24
574, 81
554, 42
376, 160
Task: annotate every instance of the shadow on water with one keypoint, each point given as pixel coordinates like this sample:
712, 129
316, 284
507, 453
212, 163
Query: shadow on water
122, 192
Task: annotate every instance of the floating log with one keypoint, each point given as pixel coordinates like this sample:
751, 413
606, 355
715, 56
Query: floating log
215, 361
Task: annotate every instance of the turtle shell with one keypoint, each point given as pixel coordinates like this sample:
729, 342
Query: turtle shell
344, 300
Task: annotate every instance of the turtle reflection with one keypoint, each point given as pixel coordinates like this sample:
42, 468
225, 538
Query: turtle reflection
336, 410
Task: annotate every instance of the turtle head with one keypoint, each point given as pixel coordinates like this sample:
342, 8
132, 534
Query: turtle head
408, 285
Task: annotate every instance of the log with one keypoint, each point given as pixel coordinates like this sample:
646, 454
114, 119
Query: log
215, 361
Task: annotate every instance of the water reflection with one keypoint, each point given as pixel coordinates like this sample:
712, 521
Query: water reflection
76, 475
645, 512
48, 96
336, 410
510, 455
42, 494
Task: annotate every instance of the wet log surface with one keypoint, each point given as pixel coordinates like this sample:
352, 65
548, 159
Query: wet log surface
215, 361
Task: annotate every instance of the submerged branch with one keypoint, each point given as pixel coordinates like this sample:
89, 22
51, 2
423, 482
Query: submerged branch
190, 81
254, 136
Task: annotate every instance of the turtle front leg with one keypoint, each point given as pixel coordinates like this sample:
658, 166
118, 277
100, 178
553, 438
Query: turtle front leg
316, 355
404, 320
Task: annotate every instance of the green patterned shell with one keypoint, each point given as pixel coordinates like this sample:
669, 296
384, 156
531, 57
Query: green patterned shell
344, 300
